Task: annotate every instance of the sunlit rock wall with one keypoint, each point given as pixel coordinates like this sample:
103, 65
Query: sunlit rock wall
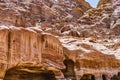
21, 46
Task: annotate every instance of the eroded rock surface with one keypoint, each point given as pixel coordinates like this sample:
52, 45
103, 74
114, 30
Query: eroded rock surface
21, 73
29, 13
21, 46
59, 39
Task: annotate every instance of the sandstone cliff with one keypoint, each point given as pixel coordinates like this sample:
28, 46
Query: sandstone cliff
59, 39
29, 13
102, 2
24, 46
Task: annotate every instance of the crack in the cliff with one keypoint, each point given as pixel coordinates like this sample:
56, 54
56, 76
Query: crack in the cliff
8, 54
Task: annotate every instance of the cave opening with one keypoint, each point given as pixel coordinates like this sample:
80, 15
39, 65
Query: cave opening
116, 77
104, 77
92, 77
25, 74
88, 77
69, 72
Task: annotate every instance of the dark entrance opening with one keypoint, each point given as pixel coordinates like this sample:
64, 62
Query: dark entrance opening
116, 77
104, 77
93, 77
88, 77
69, 72
26, 74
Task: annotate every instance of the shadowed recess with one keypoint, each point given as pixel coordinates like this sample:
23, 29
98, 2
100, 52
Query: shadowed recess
88, 77
30, 73
69, 71
104, 77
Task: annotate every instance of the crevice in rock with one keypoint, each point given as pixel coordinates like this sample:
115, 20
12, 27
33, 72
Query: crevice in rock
88, 77
28, 74
69, 72
8, 55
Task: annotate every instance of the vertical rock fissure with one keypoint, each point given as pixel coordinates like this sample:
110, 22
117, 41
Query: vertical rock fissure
29, 41
8, 54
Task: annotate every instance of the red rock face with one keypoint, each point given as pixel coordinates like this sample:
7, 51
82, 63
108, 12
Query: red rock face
28, 13
21, 46
59, 39
102, 2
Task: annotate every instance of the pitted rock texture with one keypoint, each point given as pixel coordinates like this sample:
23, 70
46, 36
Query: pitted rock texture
64, 39
29, 12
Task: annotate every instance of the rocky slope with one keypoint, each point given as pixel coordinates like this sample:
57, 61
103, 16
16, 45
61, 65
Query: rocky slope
59, 39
